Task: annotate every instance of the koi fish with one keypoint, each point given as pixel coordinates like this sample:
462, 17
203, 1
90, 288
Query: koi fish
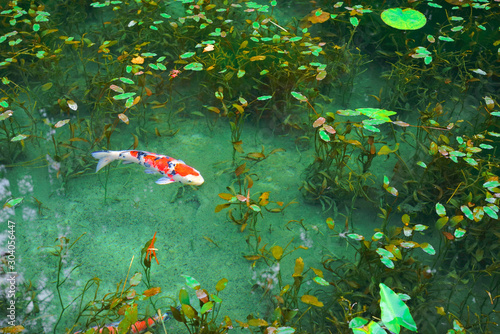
138, 328
173, 169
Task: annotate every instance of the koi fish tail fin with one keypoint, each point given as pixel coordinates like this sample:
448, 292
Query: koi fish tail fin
105, 157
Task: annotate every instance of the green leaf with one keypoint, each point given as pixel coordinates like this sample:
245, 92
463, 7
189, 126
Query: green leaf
19, 138
354, 21
285, 330
446, 39
489, 211
321, 281
240, 73
422, 164
356, 236
136, 279
465, 209
184, 297
194, 67
324, 136
123, 96
191, 282
440, 210
428, 248
13, 202
459, 232
126, 80
394, 311
299, 96
187, 55
264, 97
384, 252
387, 262
207, 307
221, 285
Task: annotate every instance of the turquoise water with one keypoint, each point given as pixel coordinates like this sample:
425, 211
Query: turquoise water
115, 212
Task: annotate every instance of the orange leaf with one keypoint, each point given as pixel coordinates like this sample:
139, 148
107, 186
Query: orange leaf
138, 60
123, 118
448, 235
318, 122
221, 207
240, 169
226, 196
254, 58
136, 100
152, 292
148, 91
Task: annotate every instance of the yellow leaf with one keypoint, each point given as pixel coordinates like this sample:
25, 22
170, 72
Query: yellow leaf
254, 58
440, 310
299, 267
257, 322
277, 252
317, 272
47, 86
384, 150
311, 300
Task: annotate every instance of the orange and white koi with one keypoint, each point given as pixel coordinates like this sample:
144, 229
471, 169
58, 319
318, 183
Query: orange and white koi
138, 328
173, 170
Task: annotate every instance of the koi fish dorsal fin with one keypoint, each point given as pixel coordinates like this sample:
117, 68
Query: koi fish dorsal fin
105, 157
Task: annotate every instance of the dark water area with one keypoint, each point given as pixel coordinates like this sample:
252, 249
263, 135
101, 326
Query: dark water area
347, 152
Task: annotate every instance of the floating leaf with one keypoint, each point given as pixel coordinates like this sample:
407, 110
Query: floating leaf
194, 67
489, 211
403, 19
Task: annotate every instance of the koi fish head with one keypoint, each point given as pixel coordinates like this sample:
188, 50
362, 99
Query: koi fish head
188, 175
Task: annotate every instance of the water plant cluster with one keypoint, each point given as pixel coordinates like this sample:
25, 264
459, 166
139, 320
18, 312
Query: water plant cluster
80, 76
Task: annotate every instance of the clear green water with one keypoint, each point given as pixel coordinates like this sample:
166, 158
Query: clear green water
117, 210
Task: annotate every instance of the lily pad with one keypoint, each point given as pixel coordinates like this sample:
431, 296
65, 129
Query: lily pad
403, 19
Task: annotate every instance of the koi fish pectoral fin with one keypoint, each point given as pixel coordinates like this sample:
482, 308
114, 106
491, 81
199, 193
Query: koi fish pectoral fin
105, 157
150, 171
165, 180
